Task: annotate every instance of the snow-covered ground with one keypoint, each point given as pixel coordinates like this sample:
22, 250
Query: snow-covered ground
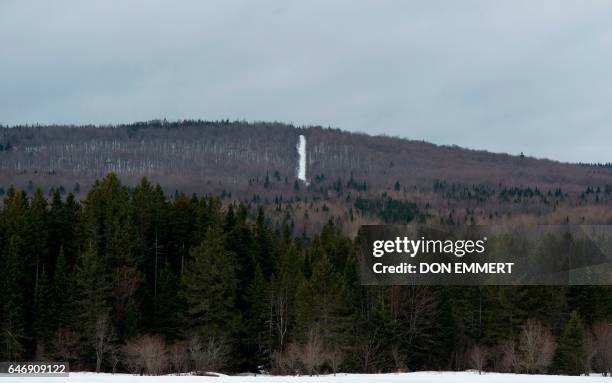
414, 377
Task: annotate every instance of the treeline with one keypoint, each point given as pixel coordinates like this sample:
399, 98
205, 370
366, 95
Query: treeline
131, 279
204, 156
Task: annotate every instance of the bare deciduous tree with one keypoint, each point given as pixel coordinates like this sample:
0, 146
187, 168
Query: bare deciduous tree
418, 311
335, 359
103, 335
115, 358
146, 354
589, 351
65, 345
179, 358
207, 356
312, 356
602, 344
399, 359
477, 357
125, 284
536, 347
42, 353
367, 351
287, 362
510, 361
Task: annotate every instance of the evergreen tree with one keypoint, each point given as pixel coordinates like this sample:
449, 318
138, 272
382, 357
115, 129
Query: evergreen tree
570, 354
256, 327
502, 316
93, 291
320, 303
43, 309
591, 302
13, 310
209, 287
182, 230
282, 301
62, 292
36, 234
108, 229
239, 241
148, 216
264, 252
106, 221
169, 305
446, 333
61, 227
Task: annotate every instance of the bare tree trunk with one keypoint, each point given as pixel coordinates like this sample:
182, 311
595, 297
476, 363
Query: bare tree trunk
103, 334
156, 253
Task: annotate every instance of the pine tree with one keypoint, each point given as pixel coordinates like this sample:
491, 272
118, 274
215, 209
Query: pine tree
320, 303
446, 333
264, 254
239, 241
548, 304
570, 354
107, 227
12, 315
106, 221
209, 288
591, 302
169, 305
148, 216
62, 292
35, 236
502, 316
282, 292
182, 229
256, 329
61, 227
92, 291
43, 309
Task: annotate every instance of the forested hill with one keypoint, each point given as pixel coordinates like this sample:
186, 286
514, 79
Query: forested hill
257, 271
353, 178
130, 280
201, 156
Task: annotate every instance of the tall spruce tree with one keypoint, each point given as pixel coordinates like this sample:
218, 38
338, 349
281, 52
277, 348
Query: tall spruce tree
209, 288
320, 303
107, 228
93, 291
62, 291
43, 310
13, 312
169, 305
257, 350
570, 354
264, 252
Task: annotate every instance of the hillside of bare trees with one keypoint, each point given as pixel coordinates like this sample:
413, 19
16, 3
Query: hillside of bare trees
353, 177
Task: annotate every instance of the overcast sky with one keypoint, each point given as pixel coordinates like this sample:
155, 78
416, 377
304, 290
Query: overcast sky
506, 76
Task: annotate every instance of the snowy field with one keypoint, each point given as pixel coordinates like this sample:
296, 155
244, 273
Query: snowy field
415, 377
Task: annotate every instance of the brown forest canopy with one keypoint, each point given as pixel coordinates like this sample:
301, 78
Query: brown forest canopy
354, 178
203, 156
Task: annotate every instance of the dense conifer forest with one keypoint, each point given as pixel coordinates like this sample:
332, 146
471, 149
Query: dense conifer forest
132, 278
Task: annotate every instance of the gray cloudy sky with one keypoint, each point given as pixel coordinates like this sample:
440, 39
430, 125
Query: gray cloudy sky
506, 76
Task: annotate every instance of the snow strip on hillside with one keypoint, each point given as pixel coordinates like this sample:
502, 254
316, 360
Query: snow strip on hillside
301, 148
